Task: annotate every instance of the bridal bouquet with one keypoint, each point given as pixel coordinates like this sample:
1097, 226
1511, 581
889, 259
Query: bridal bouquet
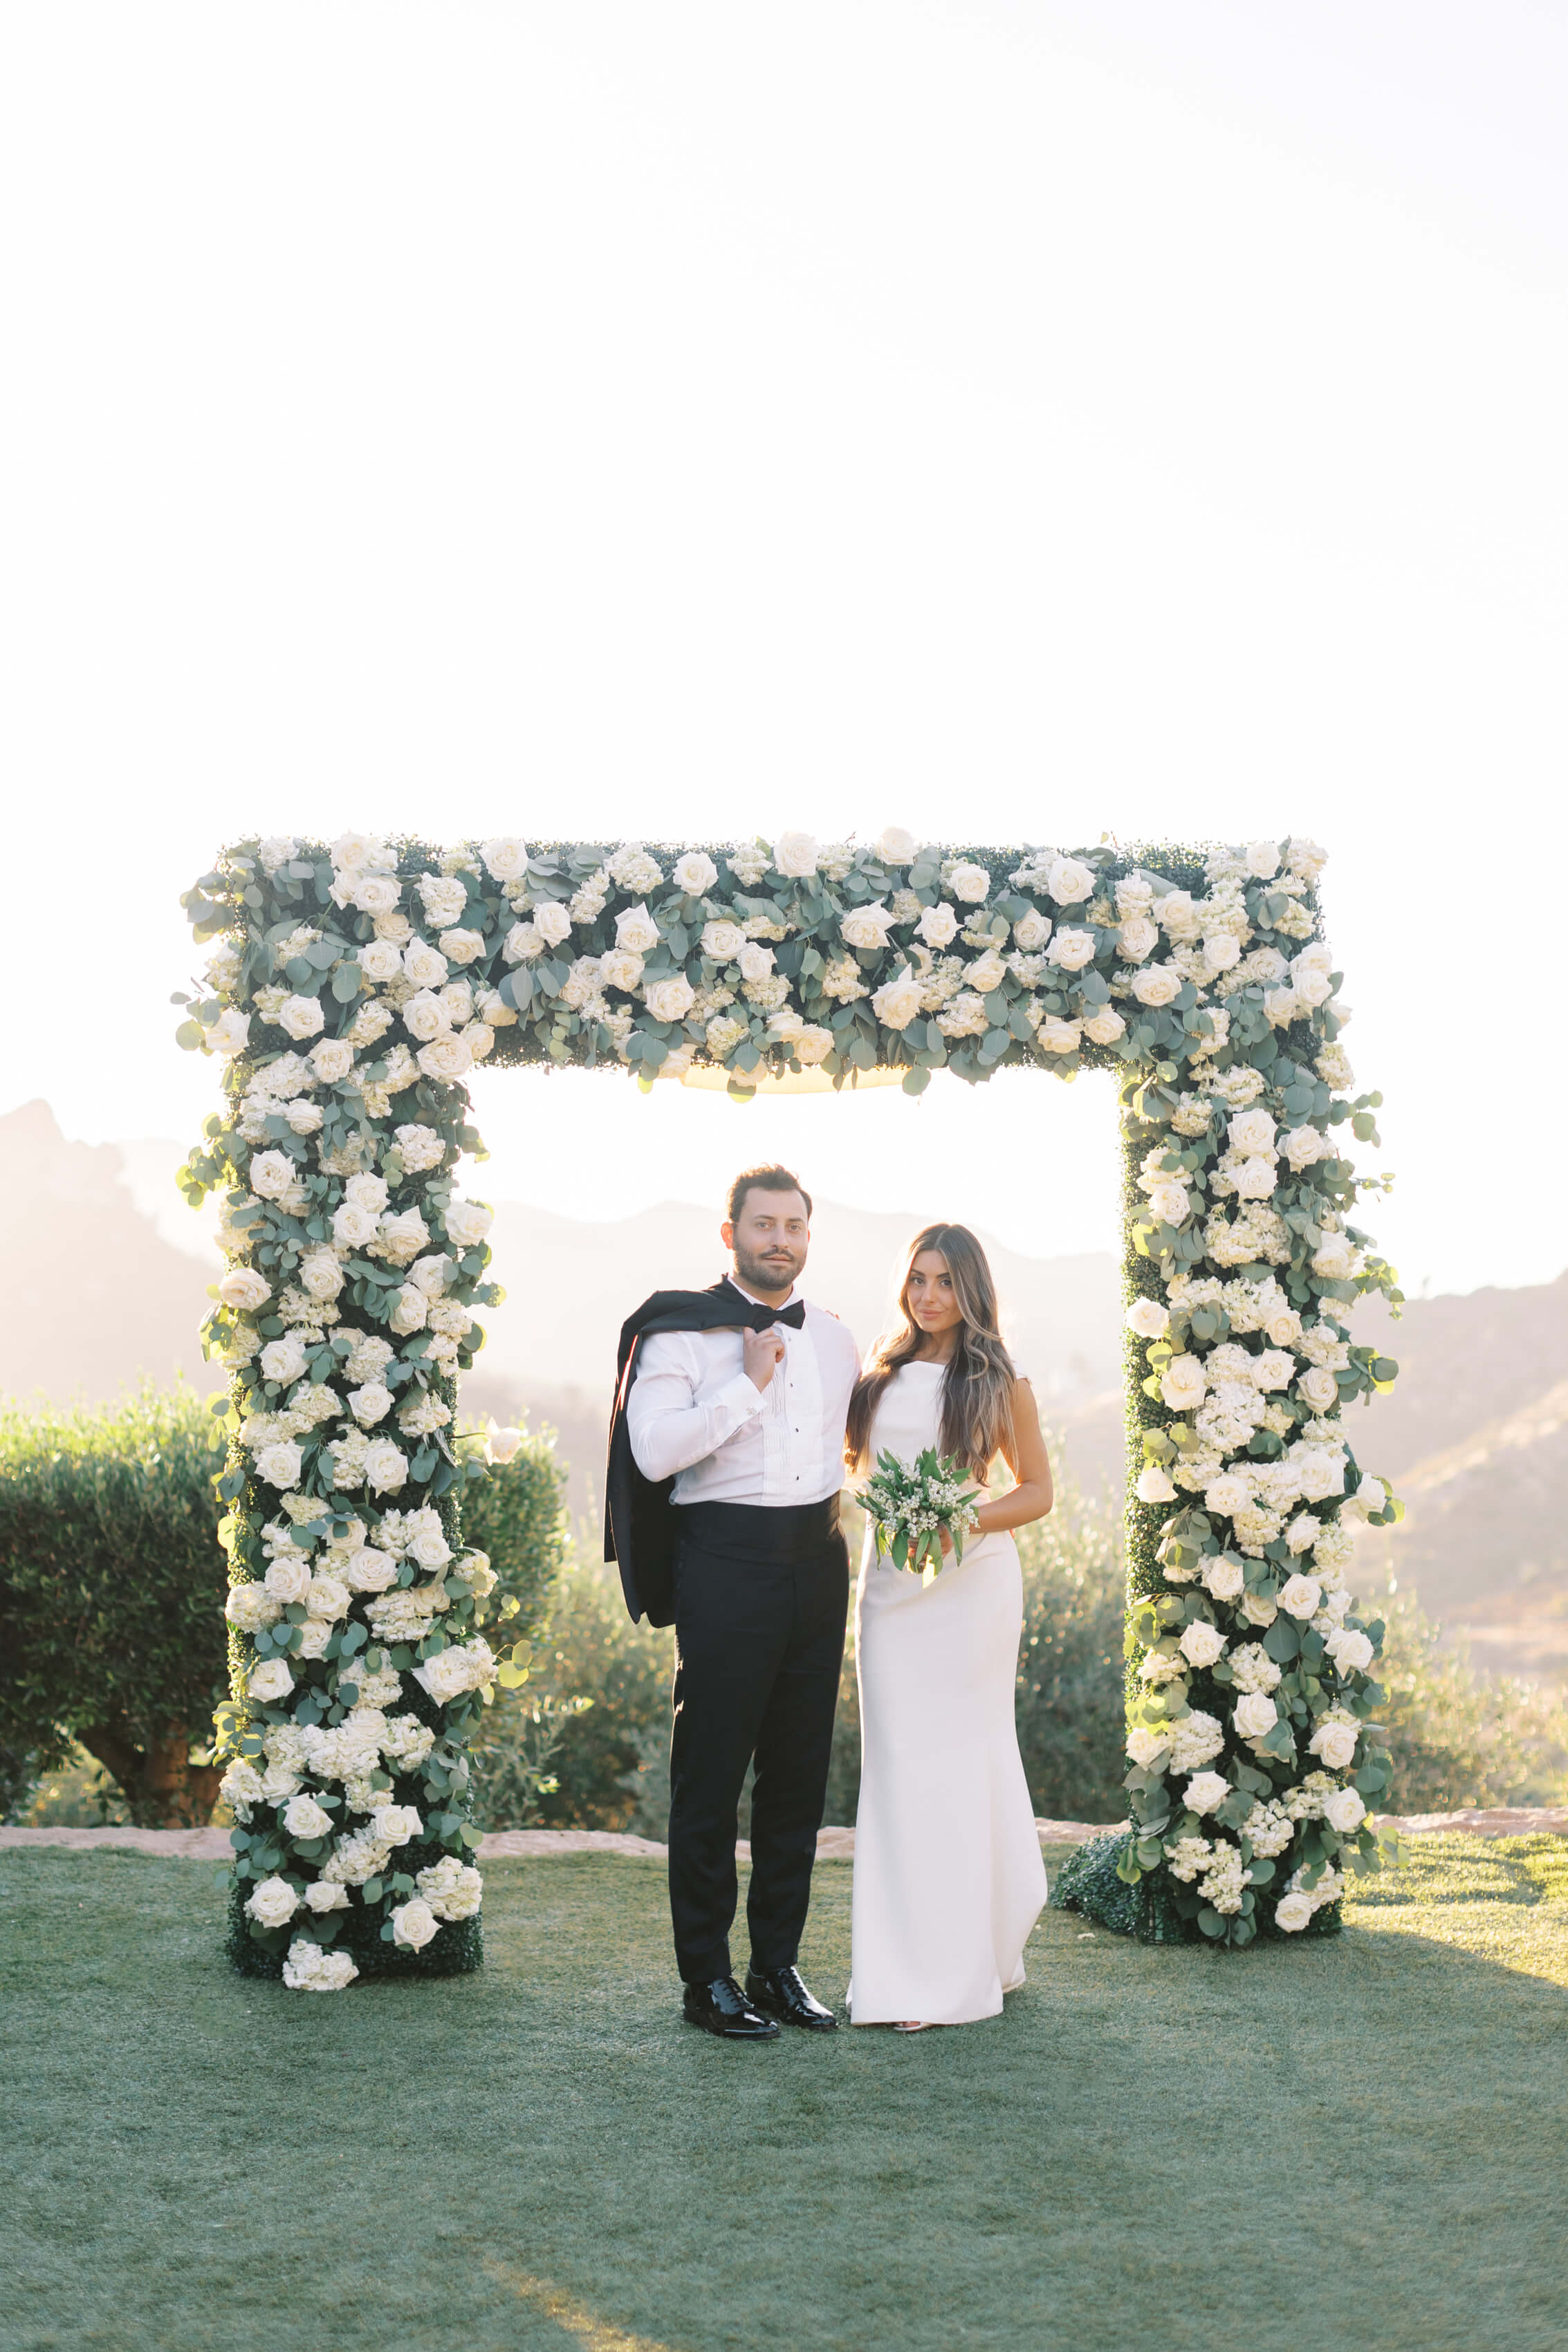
911, 1509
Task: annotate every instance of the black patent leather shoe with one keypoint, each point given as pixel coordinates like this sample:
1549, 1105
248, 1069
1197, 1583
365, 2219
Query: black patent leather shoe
720, 2006
783, 1993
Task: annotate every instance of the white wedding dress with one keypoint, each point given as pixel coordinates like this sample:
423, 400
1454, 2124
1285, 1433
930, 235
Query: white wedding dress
948, 1879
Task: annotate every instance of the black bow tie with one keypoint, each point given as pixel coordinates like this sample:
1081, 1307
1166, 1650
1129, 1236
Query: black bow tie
763, 1318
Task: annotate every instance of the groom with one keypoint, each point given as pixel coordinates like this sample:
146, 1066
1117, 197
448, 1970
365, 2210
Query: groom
722, 1508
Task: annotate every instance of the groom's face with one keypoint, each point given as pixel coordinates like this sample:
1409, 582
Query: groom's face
769, 1239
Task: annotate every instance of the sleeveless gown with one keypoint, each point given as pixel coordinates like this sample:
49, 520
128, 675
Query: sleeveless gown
948, 1880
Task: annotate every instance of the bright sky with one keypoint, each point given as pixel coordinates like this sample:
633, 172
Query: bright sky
1006, 421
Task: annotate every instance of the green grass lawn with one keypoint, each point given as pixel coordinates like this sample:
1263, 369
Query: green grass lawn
1352, 2143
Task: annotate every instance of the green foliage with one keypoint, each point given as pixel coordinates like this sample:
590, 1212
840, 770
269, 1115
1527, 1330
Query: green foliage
110, 1588
517, 1517
1070, 1708
1462, 1738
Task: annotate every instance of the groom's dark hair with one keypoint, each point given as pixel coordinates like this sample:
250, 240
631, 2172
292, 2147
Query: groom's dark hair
769, 1179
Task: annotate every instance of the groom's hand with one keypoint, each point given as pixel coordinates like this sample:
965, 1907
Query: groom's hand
761, 1353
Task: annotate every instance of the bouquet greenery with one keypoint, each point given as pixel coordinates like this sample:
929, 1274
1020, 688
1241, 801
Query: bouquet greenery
911, 1509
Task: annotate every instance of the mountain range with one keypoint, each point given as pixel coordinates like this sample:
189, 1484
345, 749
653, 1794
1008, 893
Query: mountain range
105, 1275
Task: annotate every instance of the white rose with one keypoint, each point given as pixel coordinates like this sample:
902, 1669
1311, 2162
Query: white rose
504, 1444
321, 1275
462, 946
326, 1895
1303, 1532
1249, 1131
269, 1681
552, 923
1301, 1596
369, 1570
1261, 859
1293, 1912
424, 1016
968, 883
300, 1017
1335, 1742
1351, 1651
1282, 1329
283, 1359
722, 941
288, 1580
866, 927
1335, 1259
385, 1468
813, 1044
1318, 1388
895, 847
1255, 1715
1304, 1146
987, 971
1145, 1747
331, 1058
897, 1002
695, 873
1223, 1579
379, 961
430, 1548
1205, 1791
414, 1923
1169, 1200
1254, 1179
1071, 950
444, 1677
423, 966
396, 1824
352, 1226
1344, 1811
370, 1403
367, 1191
1318, 1473
939, 926
243, 1289
1069, 881
1258, 1609
279, 1463
1031, 931
272, 1173
304, 1818
504, 858
272, 1904
636, 931
1149, 1318
1272, 1369
230, 1033
1222, 950
468, 1221
1227, 1495
1201, 1643
1176, 914
522, 943
376, 894
621, 969
670, 1000
1156, 984
756, 961
1104, 1025
446, 1059
1154, 1485
1057, 1036
1183, 1383
795, 854
1138, 938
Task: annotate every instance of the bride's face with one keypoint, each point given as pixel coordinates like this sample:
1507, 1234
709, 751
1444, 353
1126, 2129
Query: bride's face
933, 1307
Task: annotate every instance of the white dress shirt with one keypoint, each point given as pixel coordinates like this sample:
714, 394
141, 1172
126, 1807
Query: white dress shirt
693, 1414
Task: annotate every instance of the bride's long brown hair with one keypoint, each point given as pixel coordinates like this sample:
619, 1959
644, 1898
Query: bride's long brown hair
978, 1382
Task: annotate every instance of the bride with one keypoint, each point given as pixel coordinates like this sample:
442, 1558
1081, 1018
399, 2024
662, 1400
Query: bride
948, 1879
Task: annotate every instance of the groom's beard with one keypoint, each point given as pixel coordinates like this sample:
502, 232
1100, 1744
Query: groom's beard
764, 1274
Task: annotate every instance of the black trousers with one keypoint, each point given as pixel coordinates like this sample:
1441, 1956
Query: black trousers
760, 1602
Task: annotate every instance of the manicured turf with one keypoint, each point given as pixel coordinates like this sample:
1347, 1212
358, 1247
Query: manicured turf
1359, 2143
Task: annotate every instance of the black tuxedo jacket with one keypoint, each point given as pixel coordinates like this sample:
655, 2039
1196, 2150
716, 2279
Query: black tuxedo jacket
640, 1526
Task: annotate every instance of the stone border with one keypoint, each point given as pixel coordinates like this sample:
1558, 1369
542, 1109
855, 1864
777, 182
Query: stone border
833, 1845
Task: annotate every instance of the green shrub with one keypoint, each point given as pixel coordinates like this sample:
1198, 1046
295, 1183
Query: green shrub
1458, 1737
1070, 1702
111, 1582
112, 1638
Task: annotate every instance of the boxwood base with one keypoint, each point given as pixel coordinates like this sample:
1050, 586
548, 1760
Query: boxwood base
1087, 1883
454, 1950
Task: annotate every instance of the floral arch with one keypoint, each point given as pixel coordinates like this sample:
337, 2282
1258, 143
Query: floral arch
351, 988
